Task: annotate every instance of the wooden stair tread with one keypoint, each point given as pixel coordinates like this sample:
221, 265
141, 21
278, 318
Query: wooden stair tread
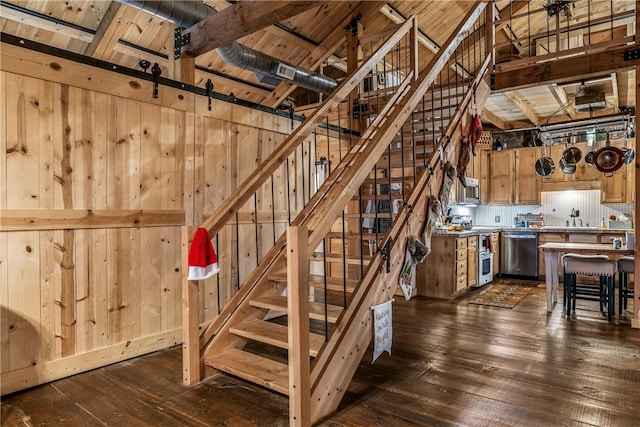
316, 309
318, 281
252, 367
274, 334
334, 257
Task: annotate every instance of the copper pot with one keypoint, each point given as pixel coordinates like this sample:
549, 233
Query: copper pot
608, 159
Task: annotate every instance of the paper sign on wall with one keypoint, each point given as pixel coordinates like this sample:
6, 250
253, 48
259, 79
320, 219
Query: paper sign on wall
382, 329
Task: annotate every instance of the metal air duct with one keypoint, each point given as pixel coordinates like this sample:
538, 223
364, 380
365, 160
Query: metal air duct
188, 13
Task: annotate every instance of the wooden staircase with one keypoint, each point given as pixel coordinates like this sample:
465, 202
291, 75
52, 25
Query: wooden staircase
328, 316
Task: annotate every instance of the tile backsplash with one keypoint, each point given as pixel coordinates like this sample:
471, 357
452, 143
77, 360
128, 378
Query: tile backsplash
556, 207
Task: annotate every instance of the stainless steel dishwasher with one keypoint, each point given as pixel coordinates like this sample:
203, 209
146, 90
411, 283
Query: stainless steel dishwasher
519, 253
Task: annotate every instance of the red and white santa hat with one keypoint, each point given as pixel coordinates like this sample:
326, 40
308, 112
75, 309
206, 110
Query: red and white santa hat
203, 262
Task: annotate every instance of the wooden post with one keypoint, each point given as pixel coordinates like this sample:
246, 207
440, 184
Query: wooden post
413, 37
298, 307
635, 322
191, 367
490, 36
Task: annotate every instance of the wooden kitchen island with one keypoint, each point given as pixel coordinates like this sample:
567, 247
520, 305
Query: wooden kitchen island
552, 252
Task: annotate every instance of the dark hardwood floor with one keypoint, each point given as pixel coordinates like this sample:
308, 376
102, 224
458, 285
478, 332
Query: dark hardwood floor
452, 364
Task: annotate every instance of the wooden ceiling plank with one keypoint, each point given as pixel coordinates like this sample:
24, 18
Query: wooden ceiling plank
566, 69
112, 27
523, 106
45, 24
239, 20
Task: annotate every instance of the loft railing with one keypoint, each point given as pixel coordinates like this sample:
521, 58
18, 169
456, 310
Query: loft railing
533, 31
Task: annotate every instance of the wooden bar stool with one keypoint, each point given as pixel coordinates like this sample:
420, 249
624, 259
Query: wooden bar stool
605, 269
625, 267
568, 279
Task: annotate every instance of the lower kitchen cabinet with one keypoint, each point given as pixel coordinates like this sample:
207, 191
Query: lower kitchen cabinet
495, 236
450, 268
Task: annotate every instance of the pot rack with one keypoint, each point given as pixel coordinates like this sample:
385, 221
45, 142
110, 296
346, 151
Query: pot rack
618, 126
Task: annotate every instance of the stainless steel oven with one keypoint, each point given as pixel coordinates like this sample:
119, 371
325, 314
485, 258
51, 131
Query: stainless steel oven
485, 259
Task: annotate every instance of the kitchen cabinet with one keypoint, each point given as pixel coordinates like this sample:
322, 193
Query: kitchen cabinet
527, 181
513, 178
450, 268
502, 175
614, 188
495, 237
472, 261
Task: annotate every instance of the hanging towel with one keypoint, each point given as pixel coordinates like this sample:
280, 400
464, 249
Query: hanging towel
203, 262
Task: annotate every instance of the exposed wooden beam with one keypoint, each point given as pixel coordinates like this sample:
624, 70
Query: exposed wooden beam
239, 20
567, 69
508, 12
388, 11
563, 102
614, 86
493, 119
523, 106
112, 27
19, 15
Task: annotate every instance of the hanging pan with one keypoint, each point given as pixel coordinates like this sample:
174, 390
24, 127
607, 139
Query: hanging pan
608, 159
567, 168
629, 153
588, 158
545, 165
572, 154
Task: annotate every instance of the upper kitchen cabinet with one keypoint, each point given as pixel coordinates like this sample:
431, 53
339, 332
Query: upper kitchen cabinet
527, 182
501, 177
512, 177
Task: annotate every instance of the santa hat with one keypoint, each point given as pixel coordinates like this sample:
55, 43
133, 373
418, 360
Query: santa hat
203, 262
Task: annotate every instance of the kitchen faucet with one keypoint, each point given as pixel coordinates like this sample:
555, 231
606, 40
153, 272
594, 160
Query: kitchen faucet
575, 214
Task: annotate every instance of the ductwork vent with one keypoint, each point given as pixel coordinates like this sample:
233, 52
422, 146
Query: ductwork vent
187, 13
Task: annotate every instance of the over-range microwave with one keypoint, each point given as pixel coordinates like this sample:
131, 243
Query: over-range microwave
469, 195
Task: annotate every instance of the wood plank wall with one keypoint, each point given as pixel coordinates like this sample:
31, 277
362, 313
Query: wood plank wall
96, 180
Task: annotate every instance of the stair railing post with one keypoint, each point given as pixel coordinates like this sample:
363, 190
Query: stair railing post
298, 308
191, 367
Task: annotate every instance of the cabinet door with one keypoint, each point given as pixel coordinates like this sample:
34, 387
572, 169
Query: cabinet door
472, 266
496, 252
482, 160
614, 188
501, 177
527, 181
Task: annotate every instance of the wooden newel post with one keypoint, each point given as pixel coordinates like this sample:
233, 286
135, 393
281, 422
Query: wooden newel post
298, 307
191, 370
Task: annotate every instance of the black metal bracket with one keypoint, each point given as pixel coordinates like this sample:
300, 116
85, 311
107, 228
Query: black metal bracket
632, 54
358, 108
409, 207
179, 40
209, 88
493, 81
291, 111
386, 254
353, 25
155, 71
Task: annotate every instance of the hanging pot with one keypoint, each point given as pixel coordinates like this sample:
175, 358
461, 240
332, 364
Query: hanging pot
608, 159
545, 165
588, 158
629, 155
567, 168
572, 155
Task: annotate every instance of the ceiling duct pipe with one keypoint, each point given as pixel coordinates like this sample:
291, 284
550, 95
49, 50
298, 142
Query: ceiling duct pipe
187, 13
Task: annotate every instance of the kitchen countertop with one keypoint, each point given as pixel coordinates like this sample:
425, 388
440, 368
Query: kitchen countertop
547, 229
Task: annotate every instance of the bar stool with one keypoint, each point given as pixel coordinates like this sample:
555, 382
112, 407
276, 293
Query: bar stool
625, 267
605, 269
567, 278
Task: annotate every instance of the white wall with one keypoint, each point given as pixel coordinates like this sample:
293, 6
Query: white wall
556, 207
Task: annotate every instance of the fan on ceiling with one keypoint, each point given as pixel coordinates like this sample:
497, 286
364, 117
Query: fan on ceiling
587, 100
